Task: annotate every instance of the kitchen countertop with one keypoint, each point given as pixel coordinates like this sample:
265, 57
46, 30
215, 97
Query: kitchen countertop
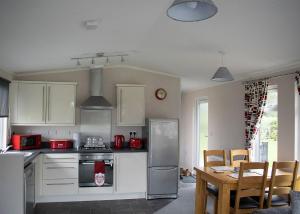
36, 152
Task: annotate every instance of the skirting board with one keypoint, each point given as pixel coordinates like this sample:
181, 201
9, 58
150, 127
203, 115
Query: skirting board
89, 197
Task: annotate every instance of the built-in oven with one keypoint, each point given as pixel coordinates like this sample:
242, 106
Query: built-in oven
88, 163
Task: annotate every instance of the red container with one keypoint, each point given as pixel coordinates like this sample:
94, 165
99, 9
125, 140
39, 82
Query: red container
119, 141
135, 143
61, 144
23, 142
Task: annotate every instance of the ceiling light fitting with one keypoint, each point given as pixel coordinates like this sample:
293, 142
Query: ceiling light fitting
192, 10
222, 74
78, 62
98, 56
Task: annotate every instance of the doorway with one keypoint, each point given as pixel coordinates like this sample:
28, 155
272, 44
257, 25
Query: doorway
201, 129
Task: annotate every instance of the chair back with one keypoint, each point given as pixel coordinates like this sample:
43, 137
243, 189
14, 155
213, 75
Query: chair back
251, 185
243, 156
216, 154
283, 179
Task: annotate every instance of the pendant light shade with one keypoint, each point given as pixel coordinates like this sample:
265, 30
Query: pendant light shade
222, 75
192, 10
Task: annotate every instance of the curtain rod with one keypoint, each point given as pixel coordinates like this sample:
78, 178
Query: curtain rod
272, 76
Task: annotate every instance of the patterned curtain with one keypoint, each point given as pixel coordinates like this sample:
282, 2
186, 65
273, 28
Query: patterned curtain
255, 101
297, 77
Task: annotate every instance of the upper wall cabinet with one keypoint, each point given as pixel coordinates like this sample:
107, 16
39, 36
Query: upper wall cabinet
41, 103
130, 105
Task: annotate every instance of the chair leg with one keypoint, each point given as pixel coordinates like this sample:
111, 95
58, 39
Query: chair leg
216, 205
205, 202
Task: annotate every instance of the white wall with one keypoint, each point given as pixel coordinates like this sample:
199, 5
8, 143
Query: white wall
226, 119
6, 75
168, 108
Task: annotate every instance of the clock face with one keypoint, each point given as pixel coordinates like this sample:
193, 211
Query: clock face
160, 94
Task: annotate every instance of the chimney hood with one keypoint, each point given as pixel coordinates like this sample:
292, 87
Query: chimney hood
96, 101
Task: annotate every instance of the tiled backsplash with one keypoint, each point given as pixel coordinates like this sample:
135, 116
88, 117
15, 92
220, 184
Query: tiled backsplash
66, 132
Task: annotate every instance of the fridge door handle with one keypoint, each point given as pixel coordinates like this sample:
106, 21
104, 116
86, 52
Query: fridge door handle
165, 168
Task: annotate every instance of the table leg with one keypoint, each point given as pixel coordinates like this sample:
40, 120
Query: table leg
224, 199
199, 195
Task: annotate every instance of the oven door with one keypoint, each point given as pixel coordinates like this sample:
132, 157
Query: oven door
87, 173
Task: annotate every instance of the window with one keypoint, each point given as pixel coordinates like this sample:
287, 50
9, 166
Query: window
3, 132
201, 130
265, 147
4, 87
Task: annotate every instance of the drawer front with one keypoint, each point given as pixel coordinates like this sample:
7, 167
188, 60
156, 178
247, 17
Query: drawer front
60, 187
60, 170
61, 158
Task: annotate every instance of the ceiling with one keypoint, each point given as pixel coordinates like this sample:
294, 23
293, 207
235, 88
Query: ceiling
258, 36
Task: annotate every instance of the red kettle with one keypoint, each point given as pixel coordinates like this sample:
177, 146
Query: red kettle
119, 141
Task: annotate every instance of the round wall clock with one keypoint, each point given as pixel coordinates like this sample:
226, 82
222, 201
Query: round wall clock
161, 94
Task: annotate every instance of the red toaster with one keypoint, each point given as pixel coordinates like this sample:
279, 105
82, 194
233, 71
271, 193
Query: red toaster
60, 144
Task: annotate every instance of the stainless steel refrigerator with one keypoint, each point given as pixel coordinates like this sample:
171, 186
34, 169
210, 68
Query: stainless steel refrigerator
163, 151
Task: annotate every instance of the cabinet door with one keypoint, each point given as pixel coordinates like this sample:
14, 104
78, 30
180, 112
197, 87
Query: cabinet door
131, 106
31, 103
61, 104
131, 172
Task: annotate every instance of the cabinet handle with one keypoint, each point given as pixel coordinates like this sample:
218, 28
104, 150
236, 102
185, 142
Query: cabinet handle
56, 167
121, 100
60, 158
48, 103
60, 184
43, 112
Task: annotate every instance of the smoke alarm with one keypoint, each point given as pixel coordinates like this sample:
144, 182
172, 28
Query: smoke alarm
91, 24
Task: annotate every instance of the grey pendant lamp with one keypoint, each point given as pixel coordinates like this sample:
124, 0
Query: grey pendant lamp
192, 10
222, 74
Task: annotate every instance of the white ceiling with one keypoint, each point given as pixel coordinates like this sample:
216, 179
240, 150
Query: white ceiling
257, 36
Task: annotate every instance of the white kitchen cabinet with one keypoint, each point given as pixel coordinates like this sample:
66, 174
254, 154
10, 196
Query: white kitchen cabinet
61, 103
130, 172
130, 105
42, 103
59, 174
28, 103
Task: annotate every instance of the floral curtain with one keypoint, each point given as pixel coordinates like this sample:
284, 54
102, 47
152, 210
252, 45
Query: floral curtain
255, 101
297, 77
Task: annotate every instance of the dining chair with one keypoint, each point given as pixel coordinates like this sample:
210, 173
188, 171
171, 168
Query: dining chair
213, 158
283, 180
238, 156
250, 184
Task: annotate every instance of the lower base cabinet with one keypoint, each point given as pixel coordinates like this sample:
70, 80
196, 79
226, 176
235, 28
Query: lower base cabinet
130, 172
60, 187
57, 178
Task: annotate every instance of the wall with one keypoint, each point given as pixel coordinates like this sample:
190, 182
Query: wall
226, 119
6, 75
168, 108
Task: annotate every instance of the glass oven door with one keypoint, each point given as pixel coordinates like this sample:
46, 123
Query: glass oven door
87, 170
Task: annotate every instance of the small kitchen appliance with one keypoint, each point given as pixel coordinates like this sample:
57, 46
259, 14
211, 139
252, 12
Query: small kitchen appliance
23, 142
119, 141
135, 143
60, 144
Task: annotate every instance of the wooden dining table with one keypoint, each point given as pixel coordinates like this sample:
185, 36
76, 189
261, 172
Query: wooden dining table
225, 184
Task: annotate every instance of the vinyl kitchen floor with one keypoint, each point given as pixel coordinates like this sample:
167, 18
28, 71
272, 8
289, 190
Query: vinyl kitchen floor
184, 204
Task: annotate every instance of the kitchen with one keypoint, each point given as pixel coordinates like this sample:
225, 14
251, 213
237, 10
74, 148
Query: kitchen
58, 174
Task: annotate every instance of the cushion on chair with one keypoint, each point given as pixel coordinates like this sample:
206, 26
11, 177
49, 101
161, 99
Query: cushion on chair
279, 201
245, 203
212, 189
278, 210
295, 202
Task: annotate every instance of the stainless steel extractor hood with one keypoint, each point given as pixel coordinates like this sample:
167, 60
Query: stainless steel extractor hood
96, 101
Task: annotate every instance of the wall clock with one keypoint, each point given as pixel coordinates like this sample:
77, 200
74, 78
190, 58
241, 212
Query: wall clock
161, 94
